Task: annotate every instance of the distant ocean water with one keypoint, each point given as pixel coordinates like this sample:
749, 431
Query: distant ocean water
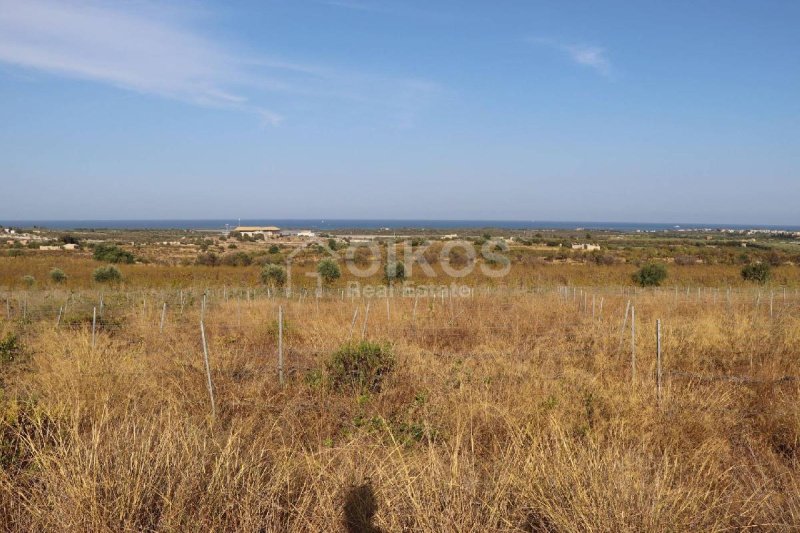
339, 224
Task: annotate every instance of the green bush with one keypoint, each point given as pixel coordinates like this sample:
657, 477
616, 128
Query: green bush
207, 259
58, 276
107, 274
273, 275
395, 271
29, 281
328, 270
360, 367
650, 275
110, 253
9, 348
757, 272
236, 259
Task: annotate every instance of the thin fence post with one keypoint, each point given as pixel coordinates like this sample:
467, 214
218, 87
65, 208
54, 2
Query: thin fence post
280, 344
624, 325
658, 360
94, 324
163, 316
58, 320
366, 317
353, 324
208, 370
633, 344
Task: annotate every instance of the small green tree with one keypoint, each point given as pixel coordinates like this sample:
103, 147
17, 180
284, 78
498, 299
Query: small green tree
757, 272
328, 270
58, 275
650, 275
273, 275
395, 271
107, 274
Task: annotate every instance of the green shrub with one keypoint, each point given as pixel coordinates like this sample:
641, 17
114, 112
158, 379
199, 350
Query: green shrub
360, 367
58, 276
274, 249
757, 272
328, 270
107, 274
395, 271
207, 259
111, 253
9, 348
273, 275
236, 259
650, 275
29, 281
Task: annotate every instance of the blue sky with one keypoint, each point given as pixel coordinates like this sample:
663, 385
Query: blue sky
606, 111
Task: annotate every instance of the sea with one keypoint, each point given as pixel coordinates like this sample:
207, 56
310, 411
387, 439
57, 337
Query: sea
381, 224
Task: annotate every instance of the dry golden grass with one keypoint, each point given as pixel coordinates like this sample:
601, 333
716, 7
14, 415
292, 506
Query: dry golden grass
510, 410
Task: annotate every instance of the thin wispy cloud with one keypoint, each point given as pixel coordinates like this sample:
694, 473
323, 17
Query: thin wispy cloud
154, 50
594, 57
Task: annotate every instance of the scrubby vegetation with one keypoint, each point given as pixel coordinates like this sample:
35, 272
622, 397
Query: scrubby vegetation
107, 274
513, 409
651, 275
111, 253
757, 272
58, 276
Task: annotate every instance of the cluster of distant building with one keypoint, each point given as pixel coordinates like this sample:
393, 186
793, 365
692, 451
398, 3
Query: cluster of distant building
14, 237
271, 232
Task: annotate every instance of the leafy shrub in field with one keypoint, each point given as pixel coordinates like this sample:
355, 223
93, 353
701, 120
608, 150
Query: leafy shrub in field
236, 259
107, 274
207, 259
328, 270
395, 271
360, 366
650, 275
273, 275
757, 272
29, 281
58, 276
111, 253
274, 249
9, 348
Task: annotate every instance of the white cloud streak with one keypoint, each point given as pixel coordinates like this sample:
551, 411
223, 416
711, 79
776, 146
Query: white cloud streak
152, 51
593, 57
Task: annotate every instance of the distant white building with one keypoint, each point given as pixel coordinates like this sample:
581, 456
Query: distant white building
267, 232
306, 234
586, 247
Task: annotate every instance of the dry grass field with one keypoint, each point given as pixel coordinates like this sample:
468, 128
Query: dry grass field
510, 409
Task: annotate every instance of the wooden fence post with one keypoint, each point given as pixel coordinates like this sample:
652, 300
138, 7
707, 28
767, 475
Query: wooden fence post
94, 324
163, 316
208, 370
280, 344
658, 360
633, 344
366, 317
624, 325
